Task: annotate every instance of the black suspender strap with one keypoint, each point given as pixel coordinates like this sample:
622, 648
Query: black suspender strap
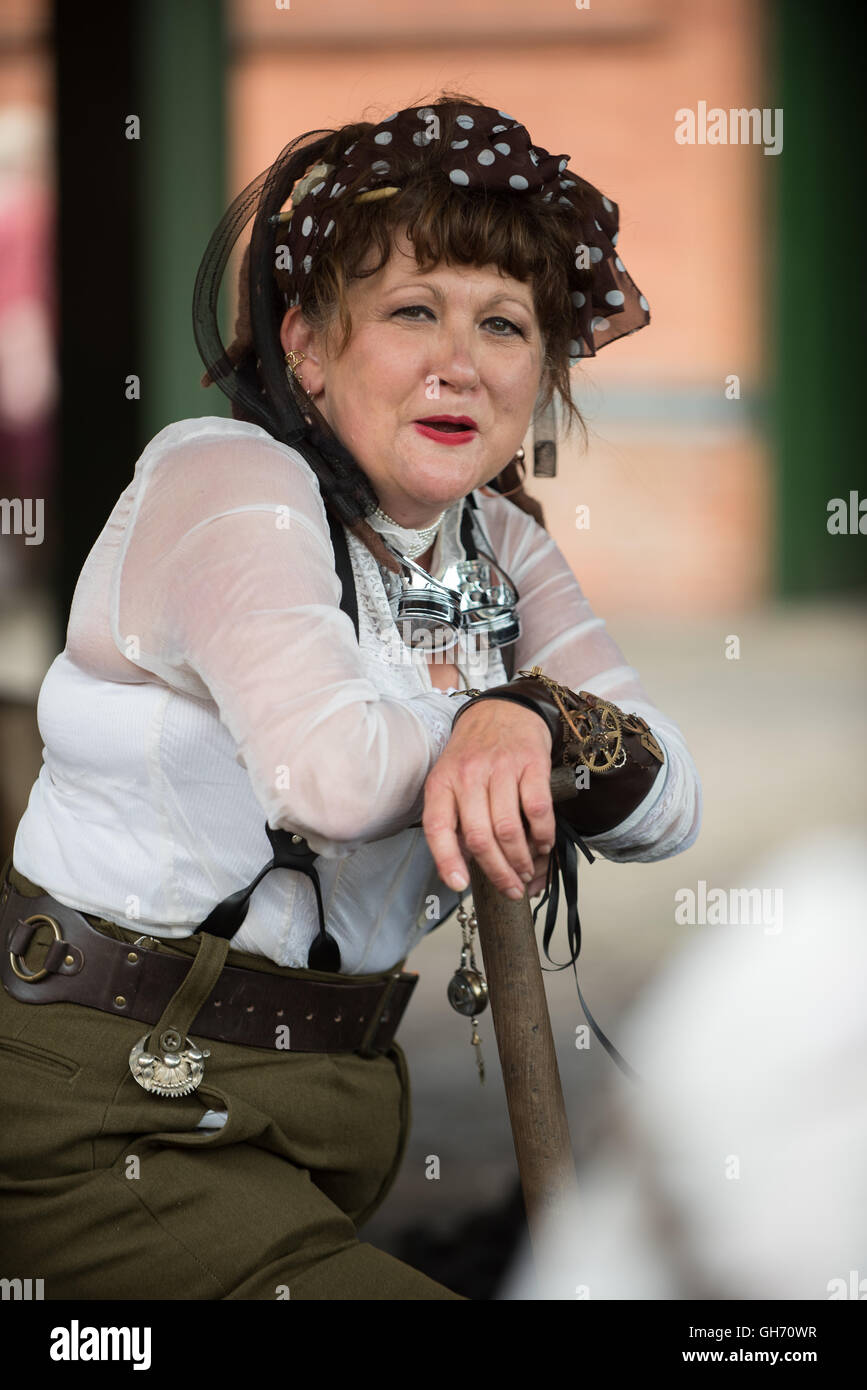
467, 538
343, 564
290, 852
469, 544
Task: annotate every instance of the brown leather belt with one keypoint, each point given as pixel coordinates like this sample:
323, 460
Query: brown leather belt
83, 966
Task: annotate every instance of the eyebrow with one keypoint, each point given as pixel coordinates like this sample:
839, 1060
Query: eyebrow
438, 294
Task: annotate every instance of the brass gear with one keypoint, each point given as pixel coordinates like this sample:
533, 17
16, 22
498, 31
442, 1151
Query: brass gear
600, 739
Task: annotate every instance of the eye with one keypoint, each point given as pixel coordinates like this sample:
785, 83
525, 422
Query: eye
506, 330
509, 325
412, 309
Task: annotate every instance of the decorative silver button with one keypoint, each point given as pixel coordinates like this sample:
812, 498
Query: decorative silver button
168, 1072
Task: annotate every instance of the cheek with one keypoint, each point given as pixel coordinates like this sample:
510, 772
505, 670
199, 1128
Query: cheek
360, 407
516, 359
379, 374
518, 383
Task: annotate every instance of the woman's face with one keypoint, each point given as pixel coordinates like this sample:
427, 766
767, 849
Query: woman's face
455, 341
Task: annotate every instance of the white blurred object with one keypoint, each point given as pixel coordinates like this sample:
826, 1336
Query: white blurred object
738, 1169
25, 141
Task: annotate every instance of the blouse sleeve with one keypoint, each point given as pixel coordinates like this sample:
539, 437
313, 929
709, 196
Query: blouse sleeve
226, 589
561, 633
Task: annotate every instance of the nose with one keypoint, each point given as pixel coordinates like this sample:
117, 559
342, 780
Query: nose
455, 361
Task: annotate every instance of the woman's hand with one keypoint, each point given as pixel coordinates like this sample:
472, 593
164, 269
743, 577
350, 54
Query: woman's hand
496, 765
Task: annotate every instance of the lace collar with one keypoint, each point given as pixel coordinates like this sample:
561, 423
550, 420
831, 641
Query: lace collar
447, 547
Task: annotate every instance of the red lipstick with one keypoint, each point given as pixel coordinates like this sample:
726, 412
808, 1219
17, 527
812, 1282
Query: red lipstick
447, 429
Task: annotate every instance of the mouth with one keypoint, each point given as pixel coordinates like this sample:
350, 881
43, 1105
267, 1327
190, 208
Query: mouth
448, 429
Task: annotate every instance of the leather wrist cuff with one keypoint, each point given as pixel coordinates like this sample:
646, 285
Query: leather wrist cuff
525, 690
615, 755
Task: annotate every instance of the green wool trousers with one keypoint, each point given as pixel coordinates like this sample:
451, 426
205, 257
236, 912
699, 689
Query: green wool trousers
107, 1191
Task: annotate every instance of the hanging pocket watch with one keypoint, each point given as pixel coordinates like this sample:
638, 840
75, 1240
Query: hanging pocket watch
468, 989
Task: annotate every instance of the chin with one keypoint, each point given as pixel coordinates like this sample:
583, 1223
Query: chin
441, 481
440, 499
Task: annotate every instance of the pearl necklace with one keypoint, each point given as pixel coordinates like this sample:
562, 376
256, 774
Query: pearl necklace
426, 534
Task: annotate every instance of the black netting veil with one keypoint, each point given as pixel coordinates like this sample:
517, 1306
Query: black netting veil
256, 381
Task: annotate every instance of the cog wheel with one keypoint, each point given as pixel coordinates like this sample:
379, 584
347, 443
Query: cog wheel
600, 736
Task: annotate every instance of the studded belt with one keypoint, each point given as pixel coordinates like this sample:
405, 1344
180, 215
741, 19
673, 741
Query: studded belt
132, 980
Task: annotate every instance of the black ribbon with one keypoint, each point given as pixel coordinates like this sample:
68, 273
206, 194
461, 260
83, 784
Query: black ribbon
290, 852
563, 863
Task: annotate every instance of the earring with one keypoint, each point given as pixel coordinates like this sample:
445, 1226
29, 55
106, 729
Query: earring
294, 359
545, 442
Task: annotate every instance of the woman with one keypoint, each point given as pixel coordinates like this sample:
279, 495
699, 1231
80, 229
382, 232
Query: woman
237, 651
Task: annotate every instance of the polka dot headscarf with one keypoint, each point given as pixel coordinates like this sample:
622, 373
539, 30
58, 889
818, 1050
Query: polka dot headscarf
488, 150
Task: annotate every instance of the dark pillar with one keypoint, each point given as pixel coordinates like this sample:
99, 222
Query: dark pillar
181, 61
820, 291
141, 161
97, 259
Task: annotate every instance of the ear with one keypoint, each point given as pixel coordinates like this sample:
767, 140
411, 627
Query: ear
296, 334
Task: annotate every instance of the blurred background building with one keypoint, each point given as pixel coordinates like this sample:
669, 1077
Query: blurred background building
718, 437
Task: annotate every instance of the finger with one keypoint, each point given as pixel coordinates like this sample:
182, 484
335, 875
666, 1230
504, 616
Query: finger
538, 806
507, 823
478, 835
439, 822
540, 872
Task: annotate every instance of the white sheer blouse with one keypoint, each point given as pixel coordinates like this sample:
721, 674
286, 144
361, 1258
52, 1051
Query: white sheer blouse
210, 680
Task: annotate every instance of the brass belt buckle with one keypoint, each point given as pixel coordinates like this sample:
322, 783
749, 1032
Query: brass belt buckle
31, 975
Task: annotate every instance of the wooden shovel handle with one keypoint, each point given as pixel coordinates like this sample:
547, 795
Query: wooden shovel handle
537, 1112
522, 1025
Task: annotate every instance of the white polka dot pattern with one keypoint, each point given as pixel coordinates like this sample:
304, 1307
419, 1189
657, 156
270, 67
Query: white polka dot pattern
487, 155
